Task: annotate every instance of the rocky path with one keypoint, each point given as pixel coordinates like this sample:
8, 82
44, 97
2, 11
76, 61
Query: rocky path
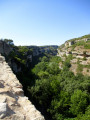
13, 104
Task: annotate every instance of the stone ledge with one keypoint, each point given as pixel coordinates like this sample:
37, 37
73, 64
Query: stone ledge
13, 104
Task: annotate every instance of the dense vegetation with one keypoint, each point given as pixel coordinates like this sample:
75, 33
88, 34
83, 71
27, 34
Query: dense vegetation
86, 45
63, 95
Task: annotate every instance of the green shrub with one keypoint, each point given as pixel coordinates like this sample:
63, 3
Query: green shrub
79, 68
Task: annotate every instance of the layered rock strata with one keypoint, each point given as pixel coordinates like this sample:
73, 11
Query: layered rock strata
13, 104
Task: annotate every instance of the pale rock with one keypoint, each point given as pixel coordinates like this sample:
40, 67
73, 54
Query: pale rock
3, 110
3, 99
18, 117
18, 91
13, 104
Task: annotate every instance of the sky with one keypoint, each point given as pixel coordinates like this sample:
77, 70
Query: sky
44, 22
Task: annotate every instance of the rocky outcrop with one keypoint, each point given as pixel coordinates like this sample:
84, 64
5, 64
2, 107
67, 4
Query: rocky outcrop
79, 51
5, 48
13, 104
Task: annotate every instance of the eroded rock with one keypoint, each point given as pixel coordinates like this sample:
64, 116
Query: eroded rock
13, 104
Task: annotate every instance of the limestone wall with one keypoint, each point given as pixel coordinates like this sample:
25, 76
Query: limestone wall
13, 104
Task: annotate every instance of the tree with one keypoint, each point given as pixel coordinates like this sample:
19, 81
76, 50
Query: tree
85, 116
43, 74
42, 92
53, 68
9, 41
60, 105
79, 101
42, 66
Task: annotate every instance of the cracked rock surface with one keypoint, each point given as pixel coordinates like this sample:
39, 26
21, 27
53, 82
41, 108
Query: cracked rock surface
13, 104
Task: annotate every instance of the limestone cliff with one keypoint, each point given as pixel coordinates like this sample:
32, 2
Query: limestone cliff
79, 49
13, 104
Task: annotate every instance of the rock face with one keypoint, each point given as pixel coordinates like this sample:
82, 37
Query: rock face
13, 104
79, 50
5, 48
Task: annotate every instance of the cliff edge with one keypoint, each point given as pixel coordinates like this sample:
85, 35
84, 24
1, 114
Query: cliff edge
13, 104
